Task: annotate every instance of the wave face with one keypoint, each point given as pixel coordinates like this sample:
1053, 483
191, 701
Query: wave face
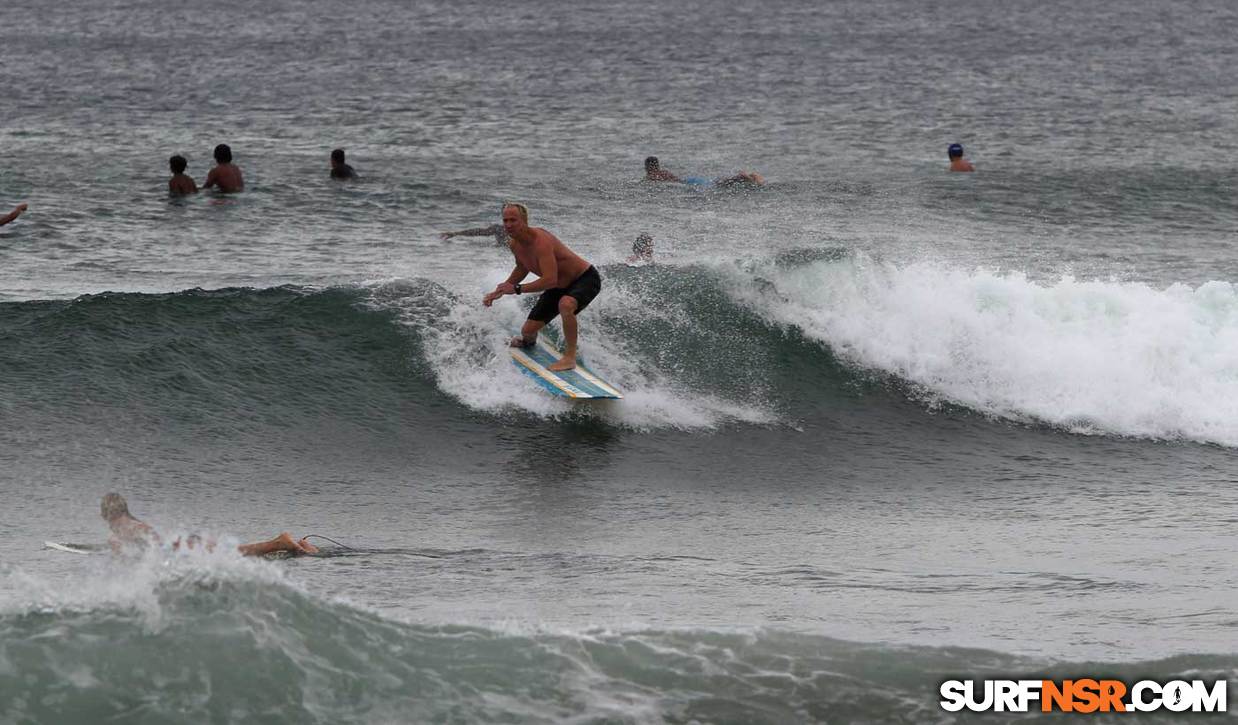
863, 402
214, 363
210, 638
691, 347
1103, 357
764, 342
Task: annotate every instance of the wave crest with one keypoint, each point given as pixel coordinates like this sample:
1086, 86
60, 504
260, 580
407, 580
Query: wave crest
1089, 356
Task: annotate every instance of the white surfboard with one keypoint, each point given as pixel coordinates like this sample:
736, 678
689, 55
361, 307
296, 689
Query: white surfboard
71, 548
578, 384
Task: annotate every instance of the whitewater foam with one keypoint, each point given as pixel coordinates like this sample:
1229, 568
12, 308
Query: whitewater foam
1090, 356
234, 640
465, 345
133, 581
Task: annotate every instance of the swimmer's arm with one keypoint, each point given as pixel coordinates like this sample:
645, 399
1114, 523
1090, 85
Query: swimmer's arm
489, 231
17, 210
211, 179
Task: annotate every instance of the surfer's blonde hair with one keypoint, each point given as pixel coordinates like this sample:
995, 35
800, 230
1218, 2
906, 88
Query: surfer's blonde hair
113, 507
524, 210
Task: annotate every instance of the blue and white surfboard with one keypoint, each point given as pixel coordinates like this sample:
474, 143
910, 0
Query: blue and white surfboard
579, 384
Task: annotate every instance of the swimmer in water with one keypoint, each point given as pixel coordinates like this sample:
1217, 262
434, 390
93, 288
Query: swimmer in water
339, 169
181, 183
957, 162
655, 172
226, 175
642, 250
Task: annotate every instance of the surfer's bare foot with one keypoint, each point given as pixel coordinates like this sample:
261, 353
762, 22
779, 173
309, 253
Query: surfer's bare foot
564, 363
287, 543
283, 542
519, 341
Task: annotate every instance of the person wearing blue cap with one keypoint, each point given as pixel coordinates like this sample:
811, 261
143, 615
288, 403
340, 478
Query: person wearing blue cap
957, 162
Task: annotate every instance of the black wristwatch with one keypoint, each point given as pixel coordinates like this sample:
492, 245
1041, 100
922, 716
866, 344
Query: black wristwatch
516, 287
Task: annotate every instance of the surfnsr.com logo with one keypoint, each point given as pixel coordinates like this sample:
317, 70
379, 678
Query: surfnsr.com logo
1083, 695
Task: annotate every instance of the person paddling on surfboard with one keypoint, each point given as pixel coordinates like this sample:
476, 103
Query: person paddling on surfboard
127, 530
567, 282
655, 172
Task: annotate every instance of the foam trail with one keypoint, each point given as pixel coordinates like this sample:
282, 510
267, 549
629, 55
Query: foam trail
1090, 356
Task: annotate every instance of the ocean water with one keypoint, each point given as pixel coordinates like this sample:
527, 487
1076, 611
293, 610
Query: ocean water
884, 425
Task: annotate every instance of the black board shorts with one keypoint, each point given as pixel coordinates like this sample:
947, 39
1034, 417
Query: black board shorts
584, 288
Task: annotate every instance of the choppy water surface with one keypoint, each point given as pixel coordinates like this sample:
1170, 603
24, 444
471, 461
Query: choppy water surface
884, 425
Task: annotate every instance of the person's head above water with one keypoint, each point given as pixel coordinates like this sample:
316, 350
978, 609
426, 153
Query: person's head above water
337, 157
955, 151
643, 245
652, 164
177, 164
113, 507
223, 154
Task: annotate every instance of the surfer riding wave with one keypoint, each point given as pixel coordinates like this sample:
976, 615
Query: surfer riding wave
567, 282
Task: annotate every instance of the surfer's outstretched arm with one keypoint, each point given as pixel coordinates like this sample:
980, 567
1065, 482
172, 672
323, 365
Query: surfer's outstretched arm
17, 211
494, 230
